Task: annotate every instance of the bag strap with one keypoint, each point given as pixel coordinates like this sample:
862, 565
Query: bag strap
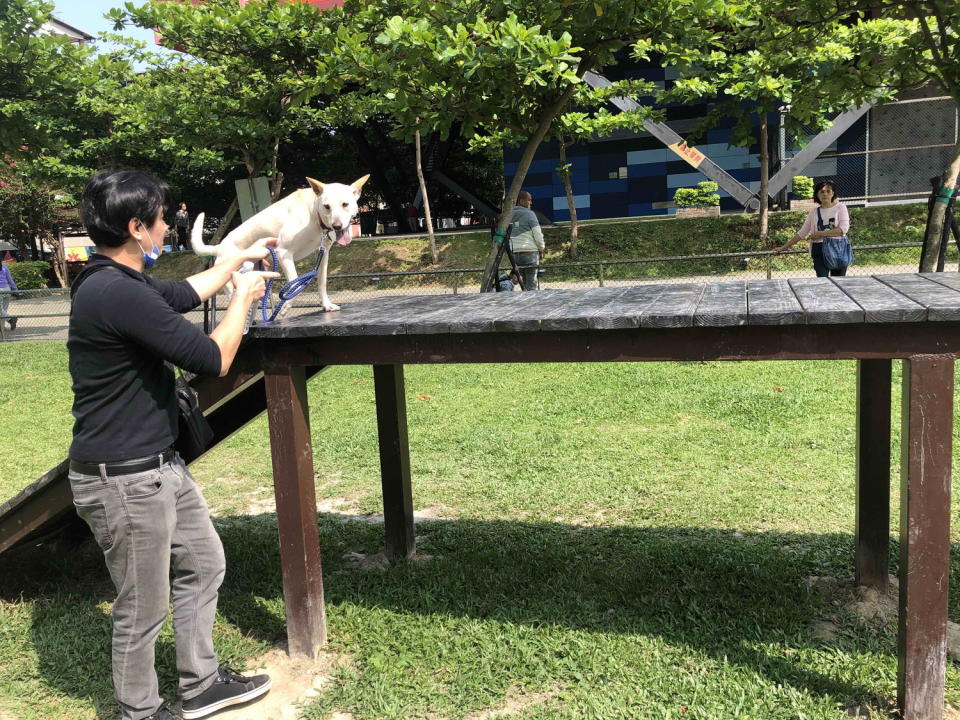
820, 225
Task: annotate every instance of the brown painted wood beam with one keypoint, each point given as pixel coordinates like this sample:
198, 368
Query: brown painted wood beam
290, 445
924, 534
399, 532
873, 473
837, 342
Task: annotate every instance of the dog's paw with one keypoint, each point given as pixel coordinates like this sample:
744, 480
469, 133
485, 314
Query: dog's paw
330, 307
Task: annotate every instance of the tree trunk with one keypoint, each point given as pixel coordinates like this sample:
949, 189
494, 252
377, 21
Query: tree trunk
510, 201
764, 181
59, 258
276, 177
571, 205
938, 214
225, 222
426, 202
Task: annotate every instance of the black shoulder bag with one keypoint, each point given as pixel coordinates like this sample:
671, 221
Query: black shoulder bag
194, 432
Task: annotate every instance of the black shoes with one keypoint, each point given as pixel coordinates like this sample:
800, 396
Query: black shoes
228, 689
163, 714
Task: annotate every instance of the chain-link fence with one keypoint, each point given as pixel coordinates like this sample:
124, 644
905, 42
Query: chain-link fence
891, 153
43, 314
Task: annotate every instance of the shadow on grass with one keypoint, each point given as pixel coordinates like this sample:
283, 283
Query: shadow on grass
718, 592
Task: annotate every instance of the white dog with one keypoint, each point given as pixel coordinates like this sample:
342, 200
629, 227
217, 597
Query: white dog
300, 222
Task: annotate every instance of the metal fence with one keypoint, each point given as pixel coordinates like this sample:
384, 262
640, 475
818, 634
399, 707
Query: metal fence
43, 314
890, 156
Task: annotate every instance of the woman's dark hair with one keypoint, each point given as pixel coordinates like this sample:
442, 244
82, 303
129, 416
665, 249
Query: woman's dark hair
112, 198
819, 186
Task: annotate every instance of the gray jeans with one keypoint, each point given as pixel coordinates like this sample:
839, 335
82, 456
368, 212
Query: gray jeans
528, 274
142, 522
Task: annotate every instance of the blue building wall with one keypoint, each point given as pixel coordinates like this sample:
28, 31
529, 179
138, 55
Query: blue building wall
631, 174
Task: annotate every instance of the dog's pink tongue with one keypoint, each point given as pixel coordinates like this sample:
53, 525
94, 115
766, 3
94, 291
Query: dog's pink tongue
343, 236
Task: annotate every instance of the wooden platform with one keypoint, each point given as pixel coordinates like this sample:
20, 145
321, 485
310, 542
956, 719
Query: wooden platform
871, 319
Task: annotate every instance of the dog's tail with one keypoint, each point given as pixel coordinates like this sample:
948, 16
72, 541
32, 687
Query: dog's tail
196, 239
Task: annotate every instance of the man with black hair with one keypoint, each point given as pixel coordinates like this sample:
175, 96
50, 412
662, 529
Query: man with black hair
138, 497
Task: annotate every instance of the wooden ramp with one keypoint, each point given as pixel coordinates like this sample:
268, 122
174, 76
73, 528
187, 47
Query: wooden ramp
44, 509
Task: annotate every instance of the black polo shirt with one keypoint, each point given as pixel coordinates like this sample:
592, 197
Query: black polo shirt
124, 325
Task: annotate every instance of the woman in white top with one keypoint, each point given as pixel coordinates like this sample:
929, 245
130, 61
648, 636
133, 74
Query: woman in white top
833, 221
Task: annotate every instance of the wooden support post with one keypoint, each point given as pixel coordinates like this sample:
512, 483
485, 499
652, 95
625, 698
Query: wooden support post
400, 536
924, 534
288, 413
873, 473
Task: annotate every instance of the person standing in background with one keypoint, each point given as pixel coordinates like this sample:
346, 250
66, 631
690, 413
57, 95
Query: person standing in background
182, 222
7, 286
526, 240
830, 219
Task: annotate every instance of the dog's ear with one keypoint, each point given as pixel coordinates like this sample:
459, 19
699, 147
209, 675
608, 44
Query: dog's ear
316, 185
357, 185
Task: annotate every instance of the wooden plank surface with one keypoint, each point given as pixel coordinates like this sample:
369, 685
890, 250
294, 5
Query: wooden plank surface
576, 315
722, 305
673, 307
625, 310
824, 303
772, 302
437, 320
351, 320
543, 303
812, 301
390, 321
942, 302
483, 314
880, 303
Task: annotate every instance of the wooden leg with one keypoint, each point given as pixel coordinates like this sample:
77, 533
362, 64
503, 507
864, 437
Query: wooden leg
873, 473
287, 410
924, 534
400, 536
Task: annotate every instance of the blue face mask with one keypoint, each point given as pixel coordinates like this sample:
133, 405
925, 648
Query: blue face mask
149, 258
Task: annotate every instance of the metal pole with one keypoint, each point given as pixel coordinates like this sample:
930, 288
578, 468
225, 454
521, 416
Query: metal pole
600, 273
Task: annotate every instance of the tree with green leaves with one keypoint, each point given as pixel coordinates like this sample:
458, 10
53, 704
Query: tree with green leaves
31, 211
39, 75
247, 79
764, 58
504, 71
933, 55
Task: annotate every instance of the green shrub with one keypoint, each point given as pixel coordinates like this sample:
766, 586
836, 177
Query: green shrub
802, 187
703, 195
30, 275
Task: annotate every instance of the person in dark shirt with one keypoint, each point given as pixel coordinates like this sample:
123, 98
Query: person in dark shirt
138, 497
181, 222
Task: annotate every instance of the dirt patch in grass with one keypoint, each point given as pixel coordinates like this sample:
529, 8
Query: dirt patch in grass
879, 606
516, 702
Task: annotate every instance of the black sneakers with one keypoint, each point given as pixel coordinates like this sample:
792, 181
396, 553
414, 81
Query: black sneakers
162, 714
228, 689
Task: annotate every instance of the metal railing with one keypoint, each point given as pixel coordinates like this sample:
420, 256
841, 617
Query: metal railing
43, 314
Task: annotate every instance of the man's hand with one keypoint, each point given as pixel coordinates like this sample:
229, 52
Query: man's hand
258, 252
252, 285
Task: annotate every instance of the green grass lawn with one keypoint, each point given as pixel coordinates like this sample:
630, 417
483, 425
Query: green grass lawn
607, 541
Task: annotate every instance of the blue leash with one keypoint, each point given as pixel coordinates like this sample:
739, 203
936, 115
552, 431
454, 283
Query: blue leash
291, 289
